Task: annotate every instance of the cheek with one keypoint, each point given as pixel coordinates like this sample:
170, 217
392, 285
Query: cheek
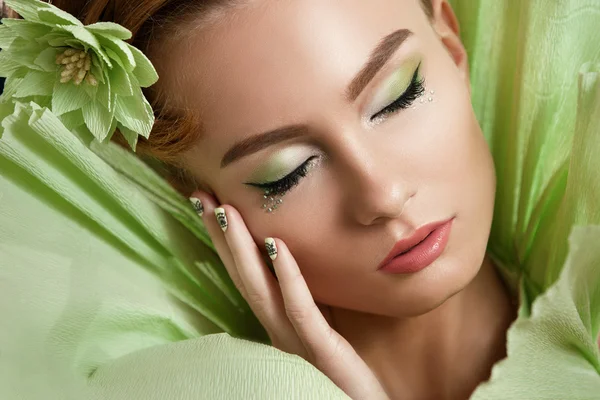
459, 176
315, 236
452, 156
308, 226
454, 170
459, 158
452, 140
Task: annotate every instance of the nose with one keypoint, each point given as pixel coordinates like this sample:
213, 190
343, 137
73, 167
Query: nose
375, 190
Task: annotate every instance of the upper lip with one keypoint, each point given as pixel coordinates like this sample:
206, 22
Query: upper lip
407, 243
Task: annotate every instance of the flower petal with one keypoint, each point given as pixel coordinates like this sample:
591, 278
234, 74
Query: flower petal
68, 97
36, 83
120, 82
20, 72
75, 44
56, 16
134, 112
56, 38
47, 59
81, 34
103, 95
72, 119
150, 116
98, 119
92, 91
7, 65
11, 86
25, 52
118, 77
144, 70
6, 109
28, 9
7, 35
130, 136
98, 69
110, 28
26, 29
116, 100
121, 50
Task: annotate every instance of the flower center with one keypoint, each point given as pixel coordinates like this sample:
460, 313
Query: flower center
76, 65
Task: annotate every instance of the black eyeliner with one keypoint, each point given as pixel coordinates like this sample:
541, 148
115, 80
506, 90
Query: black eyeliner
415, 90
287, 182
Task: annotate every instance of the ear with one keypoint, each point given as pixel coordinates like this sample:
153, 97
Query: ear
445, 24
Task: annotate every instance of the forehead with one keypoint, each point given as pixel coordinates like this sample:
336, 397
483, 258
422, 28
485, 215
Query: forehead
270, 62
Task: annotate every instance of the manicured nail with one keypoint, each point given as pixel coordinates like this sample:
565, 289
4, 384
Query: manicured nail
197, 205
271, 248
221, 217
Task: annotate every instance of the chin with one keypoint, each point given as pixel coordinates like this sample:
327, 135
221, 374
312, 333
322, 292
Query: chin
431, 288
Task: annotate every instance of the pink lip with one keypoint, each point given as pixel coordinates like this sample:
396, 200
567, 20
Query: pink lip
414, 253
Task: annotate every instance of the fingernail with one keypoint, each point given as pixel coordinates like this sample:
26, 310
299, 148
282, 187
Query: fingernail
221, 217
197, 203
271, 248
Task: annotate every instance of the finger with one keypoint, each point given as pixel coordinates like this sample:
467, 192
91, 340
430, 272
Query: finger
205, 205
262, 289
330, 352
301, 309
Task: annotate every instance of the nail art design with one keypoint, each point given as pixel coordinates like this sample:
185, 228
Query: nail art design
221, 218
197, 205
271, 202
271, 248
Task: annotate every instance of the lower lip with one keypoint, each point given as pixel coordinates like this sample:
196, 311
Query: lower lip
423, 254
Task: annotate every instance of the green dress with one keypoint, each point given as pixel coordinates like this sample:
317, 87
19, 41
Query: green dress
110, 287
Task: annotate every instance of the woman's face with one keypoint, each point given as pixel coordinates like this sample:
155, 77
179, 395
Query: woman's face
381, 165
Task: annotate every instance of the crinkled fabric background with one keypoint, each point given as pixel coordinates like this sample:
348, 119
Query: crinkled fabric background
110, 288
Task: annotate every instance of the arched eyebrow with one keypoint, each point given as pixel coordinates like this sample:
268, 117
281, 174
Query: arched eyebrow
258, 142
379, 57
377, 60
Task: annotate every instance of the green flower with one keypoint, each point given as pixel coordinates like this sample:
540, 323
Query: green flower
87, 75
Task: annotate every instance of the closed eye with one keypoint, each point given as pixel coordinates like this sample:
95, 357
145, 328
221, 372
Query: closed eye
289, 181
406, 99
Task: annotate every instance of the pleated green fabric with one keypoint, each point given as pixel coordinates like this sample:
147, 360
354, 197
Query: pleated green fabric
535, 74
111, 289
533, 67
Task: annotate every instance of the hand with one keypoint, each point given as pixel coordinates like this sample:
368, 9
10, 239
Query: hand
285, 306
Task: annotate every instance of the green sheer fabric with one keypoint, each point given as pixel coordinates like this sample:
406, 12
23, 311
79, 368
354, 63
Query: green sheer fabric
535, 75
533, 69
110, 287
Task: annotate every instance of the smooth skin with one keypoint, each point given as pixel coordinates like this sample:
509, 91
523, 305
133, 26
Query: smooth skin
285, 306
434, 334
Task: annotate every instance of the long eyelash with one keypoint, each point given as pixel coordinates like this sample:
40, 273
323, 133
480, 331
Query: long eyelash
406, 99
287, 182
